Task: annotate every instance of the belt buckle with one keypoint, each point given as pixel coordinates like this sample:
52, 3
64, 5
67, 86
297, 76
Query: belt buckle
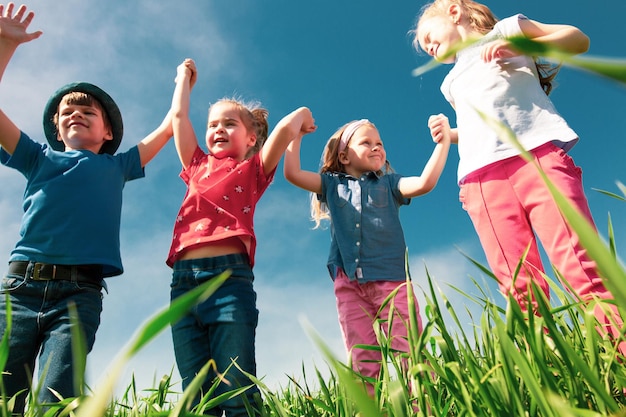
36, 274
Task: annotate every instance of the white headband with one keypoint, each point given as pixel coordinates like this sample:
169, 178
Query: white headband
348, 132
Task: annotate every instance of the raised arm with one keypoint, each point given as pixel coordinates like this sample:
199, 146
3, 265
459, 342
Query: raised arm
154, 142
12, 34
565, 38
415, 186
307, 180
296, 124
184, 136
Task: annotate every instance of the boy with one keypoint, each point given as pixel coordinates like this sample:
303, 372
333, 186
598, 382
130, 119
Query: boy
69, 235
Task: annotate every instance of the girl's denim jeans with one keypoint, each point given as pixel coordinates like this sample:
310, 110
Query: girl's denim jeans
221, 329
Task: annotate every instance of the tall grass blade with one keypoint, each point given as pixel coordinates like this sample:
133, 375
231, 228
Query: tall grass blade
96, 405
612, 68
614, 275
4, 354
79, 350
356, 392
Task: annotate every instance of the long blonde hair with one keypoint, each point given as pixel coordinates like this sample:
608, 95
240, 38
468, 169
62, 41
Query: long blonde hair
253, 116
330, 163
482, 20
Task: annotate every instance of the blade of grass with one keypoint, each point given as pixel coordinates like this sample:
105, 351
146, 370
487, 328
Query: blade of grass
94, 406
613, 274
612, 68
357, 392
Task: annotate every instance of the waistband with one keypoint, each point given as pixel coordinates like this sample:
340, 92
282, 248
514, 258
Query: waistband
537, 152
46, 272
223, 261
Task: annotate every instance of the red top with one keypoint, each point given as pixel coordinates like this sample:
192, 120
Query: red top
220, 202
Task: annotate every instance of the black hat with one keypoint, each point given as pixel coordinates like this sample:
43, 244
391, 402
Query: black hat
113, 113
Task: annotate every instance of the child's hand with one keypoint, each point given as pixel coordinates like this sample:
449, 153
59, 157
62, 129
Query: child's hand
308, 122
497, 49
439, 128
187, 71
13, 28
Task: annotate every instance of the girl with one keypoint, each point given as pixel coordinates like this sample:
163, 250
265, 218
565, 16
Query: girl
504, 196
357, 191
214, 231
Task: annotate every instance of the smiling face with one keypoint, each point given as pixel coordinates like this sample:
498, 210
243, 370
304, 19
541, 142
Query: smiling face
365, 152
227, 135
82, 124
437, 35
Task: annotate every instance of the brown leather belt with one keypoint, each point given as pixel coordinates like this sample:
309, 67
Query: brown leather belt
44, 272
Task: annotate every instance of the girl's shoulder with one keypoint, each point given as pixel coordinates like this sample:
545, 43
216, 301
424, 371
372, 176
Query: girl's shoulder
509, 26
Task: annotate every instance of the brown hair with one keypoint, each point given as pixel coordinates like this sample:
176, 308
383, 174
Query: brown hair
253, 116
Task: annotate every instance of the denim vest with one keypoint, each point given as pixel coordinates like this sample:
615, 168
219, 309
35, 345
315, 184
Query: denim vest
367, 240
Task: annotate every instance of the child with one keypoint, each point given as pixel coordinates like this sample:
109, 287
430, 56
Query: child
69, 236
504, 196
214, 232
357, 191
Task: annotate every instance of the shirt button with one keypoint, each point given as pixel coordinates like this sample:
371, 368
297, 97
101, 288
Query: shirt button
356, 260
358, 243
358, 225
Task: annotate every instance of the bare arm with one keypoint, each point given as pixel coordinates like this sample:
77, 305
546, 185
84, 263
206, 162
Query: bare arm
415, 186
296, 124
565, 38
184, 135
12, 34
154, 142
307, 180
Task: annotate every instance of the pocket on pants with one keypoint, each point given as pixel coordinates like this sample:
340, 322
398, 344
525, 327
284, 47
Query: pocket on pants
12, 283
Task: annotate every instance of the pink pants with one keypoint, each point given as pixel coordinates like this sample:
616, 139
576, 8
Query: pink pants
357, 307
509, 203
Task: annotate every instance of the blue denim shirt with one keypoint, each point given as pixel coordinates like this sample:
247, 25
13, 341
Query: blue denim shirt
367, 240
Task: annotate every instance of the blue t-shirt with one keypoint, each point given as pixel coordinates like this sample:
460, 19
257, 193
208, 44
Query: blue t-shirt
72, 204
367, 240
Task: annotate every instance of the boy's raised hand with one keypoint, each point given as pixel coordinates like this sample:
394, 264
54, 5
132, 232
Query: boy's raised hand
13, 26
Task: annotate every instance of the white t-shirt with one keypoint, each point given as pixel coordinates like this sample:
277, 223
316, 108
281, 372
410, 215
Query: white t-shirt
507, 90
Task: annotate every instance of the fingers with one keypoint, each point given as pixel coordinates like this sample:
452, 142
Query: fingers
19, 15
20, 12
436, 120
439, 127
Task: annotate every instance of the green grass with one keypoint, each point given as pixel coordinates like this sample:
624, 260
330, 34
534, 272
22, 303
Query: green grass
506, 363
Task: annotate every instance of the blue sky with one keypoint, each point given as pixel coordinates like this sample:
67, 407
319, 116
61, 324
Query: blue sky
345, 61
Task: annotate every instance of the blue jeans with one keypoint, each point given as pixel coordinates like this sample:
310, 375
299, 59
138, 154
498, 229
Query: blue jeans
221, 329
41, 326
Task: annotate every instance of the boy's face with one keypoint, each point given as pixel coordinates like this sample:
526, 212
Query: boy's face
82, 126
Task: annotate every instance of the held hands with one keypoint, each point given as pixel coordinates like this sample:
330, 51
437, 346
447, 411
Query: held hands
308, 122
13, 27
187, 71
439, 128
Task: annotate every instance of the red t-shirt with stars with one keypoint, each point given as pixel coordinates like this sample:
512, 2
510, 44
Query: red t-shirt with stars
220, 202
